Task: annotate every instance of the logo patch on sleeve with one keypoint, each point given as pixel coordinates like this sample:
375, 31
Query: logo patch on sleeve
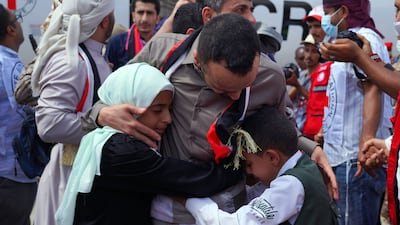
262, 209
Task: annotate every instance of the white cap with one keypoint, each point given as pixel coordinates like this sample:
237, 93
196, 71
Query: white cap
309, 40
316, 13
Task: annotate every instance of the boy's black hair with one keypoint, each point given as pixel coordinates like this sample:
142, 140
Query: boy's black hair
187, 16
155, 2
4, 21
214, 4
230, 38
270, 129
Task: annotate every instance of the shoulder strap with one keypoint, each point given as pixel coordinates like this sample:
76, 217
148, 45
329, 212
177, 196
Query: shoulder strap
96, 76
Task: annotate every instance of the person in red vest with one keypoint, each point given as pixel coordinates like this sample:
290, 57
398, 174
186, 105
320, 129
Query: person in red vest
317, 98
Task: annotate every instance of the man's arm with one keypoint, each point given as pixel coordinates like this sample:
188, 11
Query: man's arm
56, 117
347, 51
120, 117
298, 89
372, 109
387, 80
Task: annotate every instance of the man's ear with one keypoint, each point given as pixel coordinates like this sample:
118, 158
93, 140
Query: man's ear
346, 11
190, 30
12, 29
105, 22
133, 17
207, 14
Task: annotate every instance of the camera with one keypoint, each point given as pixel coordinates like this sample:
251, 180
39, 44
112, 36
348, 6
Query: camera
288, 73
350, 35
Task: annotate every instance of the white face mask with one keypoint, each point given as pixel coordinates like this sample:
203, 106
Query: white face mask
330, 29
397, 27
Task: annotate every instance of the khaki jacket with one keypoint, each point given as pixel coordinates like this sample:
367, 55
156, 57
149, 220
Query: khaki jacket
195, 107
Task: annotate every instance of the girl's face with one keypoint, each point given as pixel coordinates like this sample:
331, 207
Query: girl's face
157, 116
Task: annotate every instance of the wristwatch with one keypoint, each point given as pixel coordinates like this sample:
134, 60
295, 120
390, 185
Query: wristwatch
375, 57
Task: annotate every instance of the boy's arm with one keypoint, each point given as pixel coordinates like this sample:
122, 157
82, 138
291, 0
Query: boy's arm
282, 200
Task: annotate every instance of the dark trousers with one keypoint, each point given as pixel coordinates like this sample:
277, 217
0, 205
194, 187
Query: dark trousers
16, 202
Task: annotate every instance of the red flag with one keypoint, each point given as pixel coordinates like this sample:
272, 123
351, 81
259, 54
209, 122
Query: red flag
12, 4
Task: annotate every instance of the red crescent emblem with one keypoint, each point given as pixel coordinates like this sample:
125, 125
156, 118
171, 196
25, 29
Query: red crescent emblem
12, 4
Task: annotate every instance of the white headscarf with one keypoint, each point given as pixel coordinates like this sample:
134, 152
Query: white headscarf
137, 84
73, 22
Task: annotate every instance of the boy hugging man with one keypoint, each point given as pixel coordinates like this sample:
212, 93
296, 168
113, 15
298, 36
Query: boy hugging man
296, 194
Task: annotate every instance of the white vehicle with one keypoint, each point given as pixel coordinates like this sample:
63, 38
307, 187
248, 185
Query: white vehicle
286, 16
34, 13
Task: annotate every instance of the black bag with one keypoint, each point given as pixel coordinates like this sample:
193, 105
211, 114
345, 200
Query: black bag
31, 152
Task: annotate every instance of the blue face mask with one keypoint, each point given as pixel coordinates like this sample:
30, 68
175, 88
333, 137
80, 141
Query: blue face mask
330, 29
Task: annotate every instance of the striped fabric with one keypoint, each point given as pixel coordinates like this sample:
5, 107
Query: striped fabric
343, 118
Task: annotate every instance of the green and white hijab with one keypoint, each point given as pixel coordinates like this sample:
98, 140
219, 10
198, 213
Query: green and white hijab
137, 84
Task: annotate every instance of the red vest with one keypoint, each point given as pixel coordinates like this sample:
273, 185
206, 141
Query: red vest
392, 182
317, 100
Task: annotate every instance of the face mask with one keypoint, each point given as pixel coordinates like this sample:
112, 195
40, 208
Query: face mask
397, 27
330, 30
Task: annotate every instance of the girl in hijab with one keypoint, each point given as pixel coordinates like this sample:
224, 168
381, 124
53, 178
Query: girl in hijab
114, 176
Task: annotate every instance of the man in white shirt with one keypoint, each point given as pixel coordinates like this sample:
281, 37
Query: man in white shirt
356, 112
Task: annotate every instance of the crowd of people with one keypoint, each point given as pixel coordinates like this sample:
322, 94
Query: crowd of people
190, 120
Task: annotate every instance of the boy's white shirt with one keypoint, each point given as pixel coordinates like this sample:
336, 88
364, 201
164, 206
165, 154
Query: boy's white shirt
279, 203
